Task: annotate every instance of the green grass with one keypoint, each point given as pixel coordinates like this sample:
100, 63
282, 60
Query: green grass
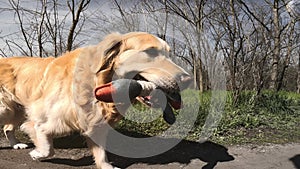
272, 117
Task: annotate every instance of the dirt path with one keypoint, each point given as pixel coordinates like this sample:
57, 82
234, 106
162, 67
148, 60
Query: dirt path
186, 155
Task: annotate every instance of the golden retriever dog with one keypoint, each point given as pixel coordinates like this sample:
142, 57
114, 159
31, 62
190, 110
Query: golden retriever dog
55, 96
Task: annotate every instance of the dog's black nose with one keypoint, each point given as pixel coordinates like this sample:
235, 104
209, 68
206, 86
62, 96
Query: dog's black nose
185, 81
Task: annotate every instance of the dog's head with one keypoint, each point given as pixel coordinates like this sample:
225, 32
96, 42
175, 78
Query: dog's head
142, 56
139, 56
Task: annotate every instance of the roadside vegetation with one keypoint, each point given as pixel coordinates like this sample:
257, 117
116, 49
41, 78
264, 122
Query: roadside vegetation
271, 117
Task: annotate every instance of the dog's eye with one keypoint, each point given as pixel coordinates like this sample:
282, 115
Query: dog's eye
152, 51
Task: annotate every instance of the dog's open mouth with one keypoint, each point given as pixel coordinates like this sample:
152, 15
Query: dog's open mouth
157, 99
149, 93
162, 94
174, 100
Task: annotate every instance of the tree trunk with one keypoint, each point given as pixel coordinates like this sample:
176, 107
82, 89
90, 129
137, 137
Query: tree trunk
199, 27
275, 61
75, 19
195, 73
200, 76
40, 29
298, 73
288, 54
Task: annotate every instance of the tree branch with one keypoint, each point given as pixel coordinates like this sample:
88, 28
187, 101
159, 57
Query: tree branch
15, 6
253, 15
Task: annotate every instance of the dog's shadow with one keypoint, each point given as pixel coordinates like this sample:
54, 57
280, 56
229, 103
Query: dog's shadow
184, 152
296, 161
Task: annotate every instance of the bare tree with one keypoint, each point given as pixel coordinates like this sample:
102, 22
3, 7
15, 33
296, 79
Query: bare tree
40, 27
19, 12
276, 29
227, 28
76, 16
45, 26
53, 27
259, 40
276, 54
193, 13
288, 49
293, 7
256, 37
125, 17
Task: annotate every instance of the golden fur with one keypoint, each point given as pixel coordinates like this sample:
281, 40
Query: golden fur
56, 94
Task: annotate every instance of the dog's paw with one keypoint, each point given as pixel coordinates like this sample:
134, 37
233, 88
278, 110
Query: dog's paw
36, 155
20, 146
107, 166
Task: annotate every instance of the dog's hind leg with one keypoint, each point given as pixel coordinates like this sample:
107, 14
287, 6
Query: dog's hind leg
11, 115
9, 132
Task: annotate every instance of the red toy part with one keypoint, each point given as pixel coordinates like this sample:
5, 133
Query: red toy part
121, 90
104, 93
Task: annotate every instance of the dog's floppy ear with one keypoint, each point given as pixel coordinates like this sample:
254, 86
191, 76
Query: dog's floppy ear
90, 61
106, 52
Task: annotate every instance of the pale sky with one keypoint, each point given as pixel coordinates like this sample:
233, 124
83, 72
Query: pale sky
9, 25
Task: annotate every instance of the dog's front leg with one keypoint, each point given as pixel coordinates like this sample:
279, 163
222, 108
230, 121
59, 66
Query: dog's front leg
43, 144
96, 142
